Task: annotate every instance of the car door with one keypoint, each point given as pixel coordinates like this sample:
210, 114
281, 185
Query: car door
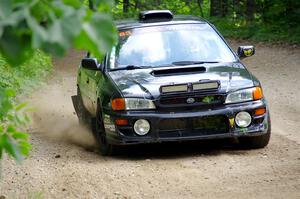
93, 83
95, 79
84, 86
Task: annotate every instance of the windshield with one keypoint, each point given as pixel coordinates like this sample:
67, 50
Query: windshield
164, 45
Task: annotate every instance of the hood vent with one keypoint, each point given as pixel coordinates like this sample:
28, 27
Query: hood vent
178, 71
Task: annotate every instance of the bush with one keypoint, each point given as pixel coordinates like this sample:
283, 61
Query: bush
13, 119
13, 116
256, 31
27, 76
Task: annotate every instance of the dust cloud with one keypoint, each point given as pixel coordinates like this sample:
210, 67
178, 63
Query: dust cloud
55, 118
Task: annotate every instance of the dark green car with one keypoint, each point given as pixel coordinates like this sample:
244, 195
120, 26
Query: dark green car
171, 79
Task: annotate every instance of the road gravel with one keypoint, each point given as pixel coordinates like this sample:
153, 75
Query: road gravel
64, 162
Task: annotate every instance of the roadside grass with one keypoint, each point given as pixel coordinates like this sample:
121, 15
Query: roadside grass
26, 77
16, 82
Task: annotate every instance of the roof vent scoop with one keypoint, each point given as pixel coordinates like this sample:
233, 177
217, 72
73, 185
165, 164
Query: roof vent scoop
155, 16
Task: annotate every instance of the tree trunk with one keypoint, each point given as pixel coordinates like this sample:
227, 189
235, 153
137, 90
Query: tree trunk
125, 6
91, 5
250, 9
224, 8
214, 8
200, 7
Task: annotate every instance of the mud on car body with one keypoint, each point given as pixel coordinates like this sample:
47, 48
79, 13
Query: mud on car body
171, 79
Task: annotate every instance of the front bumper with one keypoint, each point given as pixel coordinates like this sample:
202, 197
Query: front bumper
123, 135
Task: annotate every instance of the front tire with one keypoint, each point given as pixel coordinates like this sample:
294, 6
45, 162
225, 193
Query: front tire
256, 142
106, 149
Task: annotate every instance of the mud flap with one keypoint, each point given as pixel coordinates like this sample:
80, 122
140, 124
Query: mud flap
75, 103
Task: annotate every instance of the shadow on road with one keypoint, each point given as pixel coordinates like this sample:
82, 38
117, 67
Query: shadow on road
172, 150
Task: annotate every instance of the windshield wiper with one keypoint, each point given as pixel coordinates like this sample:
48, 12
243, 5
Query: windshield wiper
183, 63
129, 67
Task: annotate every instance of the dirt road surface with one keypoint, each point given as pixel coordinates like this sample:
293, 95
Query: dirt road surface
65, 164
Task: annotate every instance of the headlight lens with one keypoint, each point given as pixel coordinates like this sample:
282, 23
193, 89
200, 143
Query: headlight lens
141, 127
137, 103
243, 119
244, 95
131, 104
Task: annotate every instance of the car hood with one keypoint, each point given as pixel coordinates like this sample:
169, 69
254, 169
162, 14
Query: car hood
142, 82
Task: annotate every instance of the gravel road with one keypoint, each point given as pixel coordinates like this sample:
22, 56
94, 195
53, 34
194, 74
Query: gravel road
64, 162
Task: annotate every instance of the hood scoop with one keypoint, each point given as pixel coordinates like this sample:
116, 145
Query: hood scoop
178, 71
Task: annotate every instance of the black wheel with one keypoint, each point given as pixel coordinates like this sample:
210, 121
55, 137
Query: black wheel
256, 142
106, 149
83, 115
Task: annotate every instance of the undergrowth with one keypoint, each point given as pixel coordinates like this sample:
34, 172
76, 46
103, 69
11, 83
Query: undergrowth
27, 76
256, 31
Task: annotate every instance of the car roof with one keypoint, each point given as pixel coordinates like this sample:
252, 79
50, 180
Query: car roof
179, 19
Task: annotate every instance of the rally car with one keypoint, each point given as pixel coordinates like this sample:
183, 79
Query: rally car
171, 78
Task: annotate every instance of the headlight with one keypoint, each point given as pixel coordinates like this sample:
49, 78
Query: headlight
119, 104
137, 103
243, 119
141, 127
244, 95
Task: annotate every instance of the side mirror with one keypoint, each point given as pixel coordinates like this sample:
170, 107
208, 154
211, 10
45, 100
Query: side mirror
90, 63
245, 51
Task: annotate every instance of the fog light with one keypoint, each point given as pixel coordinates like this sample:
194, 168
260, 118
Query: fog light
141, 127
243, 119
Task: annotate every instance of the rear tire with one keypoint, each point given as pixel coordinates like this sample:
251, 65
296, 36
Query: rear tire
106, 149
256, 142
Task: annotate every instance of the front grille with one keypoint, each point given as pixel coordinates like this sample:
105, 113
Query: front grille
209, 99
184, 127
195, 101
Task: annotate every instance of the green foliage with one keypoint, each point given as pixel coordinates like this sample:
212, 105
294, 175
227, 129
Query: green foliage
178, 7
261, 20
53, 27
26, 76
13, 118
256, 31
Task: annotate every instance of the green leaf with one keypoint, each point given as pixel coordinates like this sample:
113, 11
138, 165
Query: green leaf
11, 129
62, 33
5, 9
20, 135
21, 106
27, 118
39, 34
15, 45
24, 147
98, 35
11, 148
10, 92
5, 107
73, 3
